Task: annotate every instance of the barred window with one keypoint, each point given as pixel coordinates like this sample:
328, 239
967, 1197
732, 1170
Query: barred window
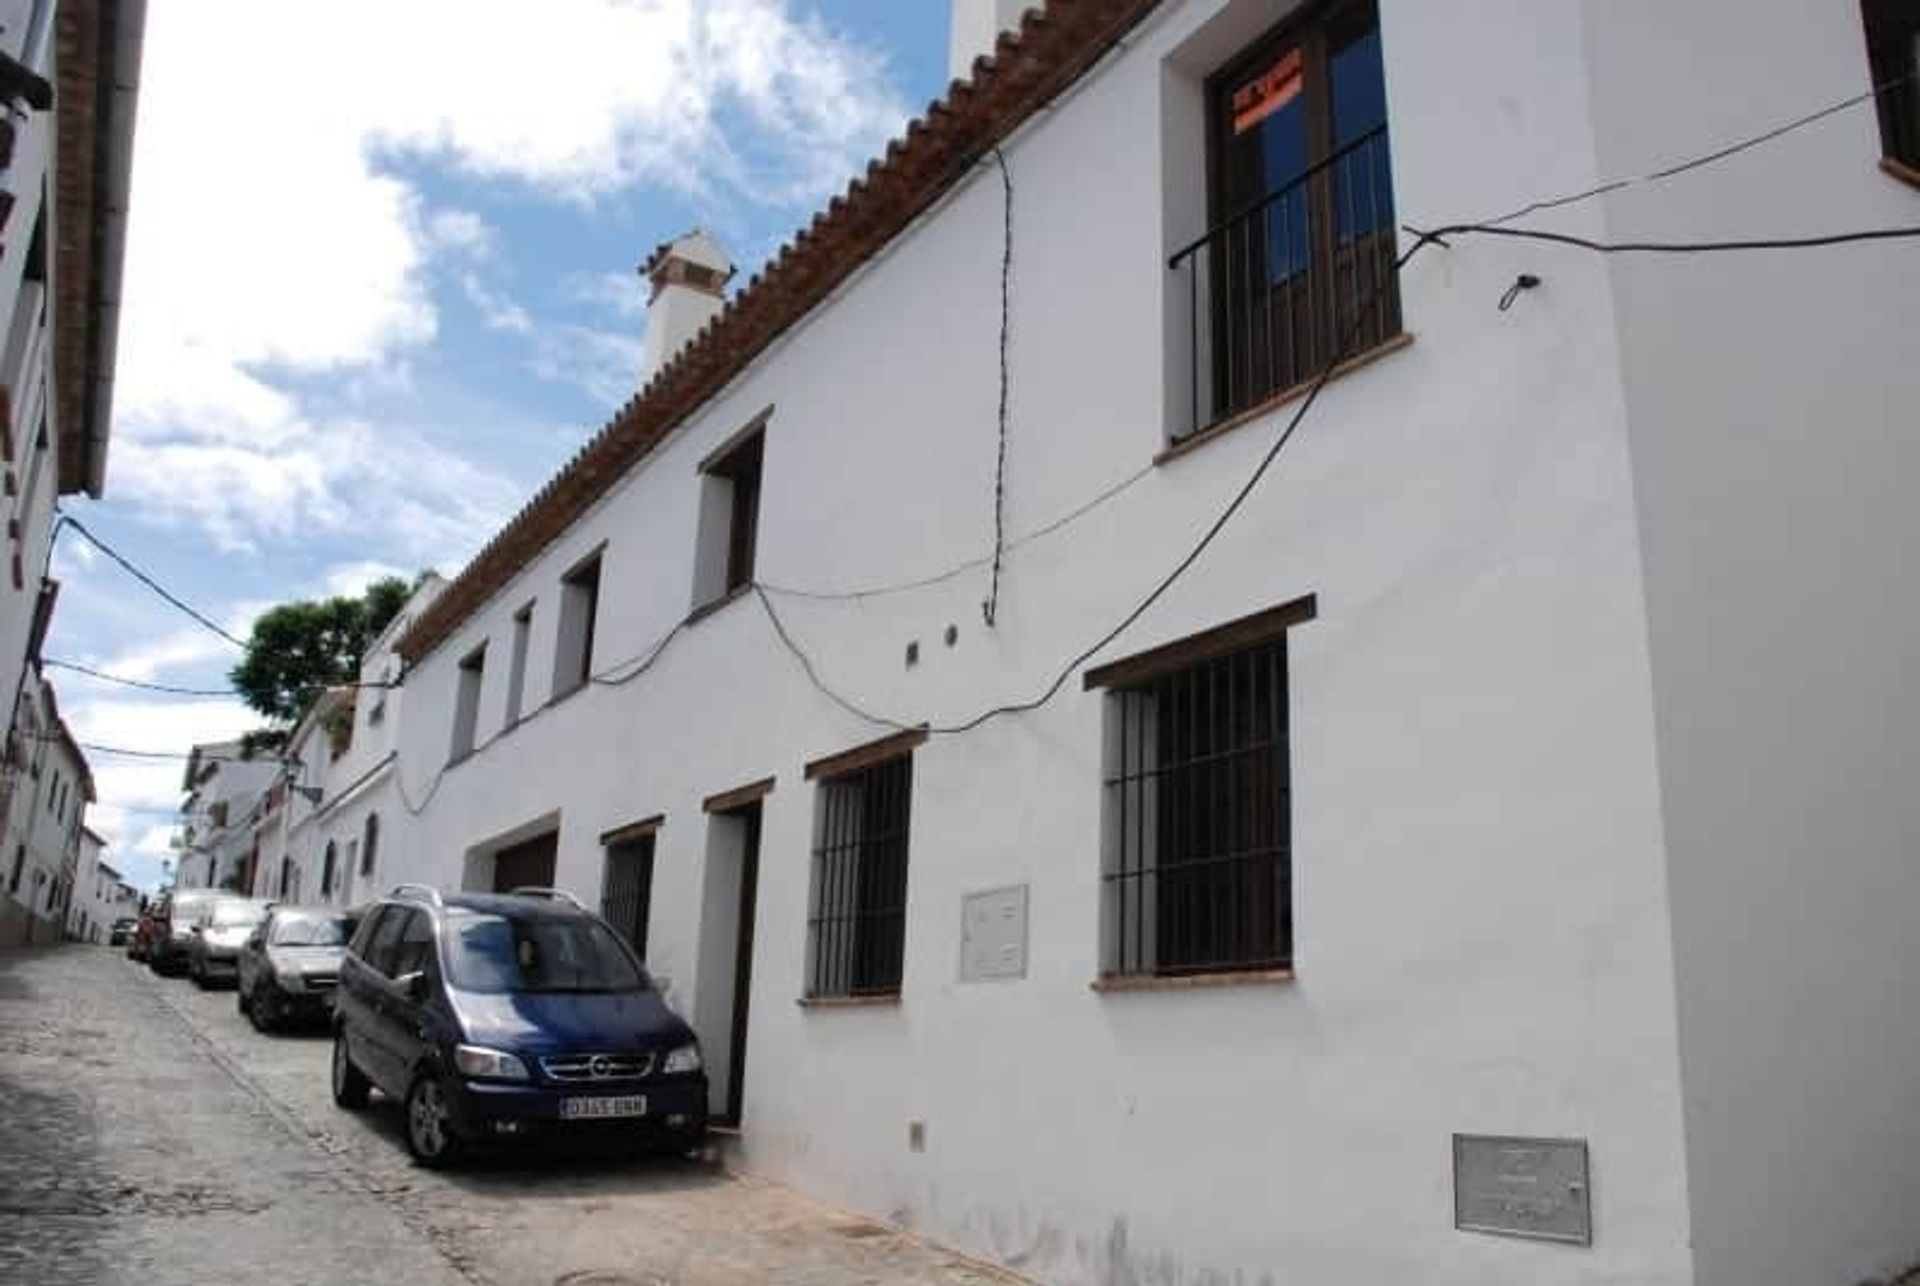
856, 928
1197, 872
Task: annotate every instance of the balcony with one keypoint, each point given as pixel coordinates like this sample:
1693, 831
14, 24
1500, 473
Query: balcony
1299, 280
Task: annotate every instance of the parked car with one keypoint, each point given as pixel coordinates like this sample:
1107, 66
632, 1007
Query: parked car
173, 921
121, 931
500, 1017
214, 953
290, 964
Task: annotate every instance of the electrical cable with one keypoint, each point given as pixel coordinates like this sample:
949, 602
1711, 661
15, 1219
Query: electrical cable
1490, 227
148, 581
1439, 235
991, 608
1699, 162
137, 683
1423, 239
1180, 568
899, 587
641, 662
1655, 176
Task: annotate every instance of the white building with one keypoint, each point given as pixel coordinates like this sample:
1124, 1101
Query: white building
1499, 825
68, 81
43, 807
100, 896
320, 832
226, 785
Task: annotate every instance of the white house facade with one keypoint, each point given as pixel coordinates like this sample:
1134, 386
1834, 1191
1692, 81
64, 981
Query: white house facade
320, 830
1467, 850
226, 785
69, 73
100, 895
43, 807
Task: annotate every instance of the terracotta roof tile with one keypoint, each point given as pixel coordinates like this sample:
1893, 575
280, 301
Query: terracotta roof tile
1053, 48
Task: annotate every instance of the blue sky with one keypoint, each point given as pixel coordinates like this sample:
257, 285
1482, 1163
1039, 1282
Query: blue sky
367, 314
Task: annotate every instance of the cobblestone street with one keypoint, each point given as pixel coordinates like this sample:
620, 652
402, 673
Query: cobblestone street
148, 1135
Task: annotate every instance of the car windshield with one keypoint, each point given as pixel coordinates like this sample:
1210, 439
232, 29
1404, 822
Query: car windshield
312, 930
236, 915
501, 954
187, 908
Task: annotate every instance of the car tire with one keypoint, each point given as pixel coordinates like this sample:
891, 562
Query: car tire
264, 1012
429, 1123
199, 976
350, 1085
240, 1004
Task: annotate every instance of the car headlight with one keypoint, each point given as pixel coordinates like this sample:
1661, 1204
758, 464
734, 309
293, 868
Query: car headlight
488, 1064
684, 1059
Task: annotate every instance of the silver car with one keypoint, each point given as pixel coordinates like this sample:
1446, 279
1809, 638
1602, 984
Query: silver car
290, 964
214, 954
173, 922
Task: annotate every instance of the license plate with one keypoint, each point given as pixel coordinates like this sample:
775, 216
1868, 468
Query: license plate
590, 1109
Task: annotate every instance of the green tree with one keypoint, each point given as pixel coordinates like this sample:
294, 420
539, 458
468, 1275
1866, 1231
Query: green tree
300, 649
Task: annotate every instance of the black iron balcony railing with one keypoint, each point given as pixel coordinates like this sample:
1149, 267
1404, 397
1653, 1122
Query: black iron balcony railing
1298, 280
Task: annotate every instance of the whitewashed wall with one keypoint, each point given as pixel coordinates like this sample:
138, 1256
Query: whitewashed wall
1772, 411
24, 351
1483, 941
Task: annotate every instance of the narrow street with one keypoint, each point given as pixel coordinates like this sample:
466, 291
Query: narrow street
148, 1135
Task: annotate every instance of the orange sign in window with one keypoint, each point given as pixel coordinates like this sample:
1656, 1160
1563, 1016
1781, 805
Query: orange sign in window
1267, 93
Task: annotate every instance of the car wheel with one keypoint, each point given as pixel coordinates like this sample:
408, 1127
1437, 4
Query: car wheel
430, 1135
350, 1085
198, 975
240, 1002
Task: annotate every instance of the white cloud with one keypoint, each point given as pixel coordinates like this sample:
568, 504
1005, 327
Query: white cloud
274, 235
385, 486
462, 232
605, 365
350, 580
495, 309
149, 658
623, 294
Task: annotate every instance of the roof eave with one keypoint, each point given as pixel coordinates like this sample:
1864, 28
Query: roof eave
97, 69
1052, 50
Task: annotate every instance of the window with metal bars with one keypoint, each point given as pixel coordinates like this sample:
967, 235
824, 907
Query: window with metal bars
857, 928
1198, 866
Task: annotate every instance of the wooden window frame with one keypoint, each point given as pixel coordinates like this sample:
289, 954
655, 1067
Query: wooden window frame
590, 568
740, 462
1893, 62
848, 960
1170, 848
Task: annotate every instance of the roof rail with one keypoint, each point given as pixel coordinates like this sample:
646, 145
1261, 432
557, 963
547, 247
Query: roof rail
539, 891
425, 892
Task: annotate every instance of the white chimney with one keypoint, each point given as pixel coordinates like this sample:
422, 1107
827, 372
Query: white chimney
689, 277
977, 24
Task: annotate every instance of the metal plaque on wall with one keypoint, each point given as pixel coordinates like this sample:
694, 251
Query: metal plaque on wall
993, 934
1522, 1187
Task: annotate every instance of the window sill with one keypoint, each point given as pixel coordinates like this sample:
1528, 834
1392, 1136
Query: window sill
890, 1000
1174, 450
1194, 982
705, 610
1900, 170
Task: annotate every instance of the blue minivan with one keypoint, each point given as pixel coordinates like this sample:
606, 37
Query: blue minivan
501, 1017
